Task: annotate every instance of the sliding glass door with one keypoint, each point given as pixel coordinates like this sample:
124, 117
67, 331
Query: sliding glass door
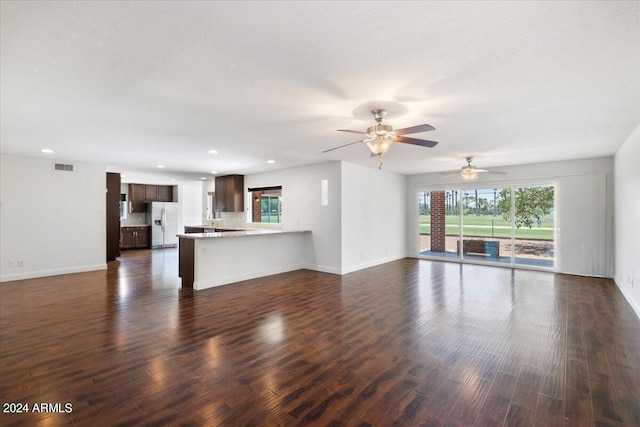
509, 226
486, 232
534, 226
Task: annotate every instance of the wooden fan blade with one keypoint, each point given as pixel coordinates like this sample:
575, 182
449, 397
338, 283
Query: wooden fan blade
352, 131
415, 141
448, 174
345, 145
496, 172
413, 129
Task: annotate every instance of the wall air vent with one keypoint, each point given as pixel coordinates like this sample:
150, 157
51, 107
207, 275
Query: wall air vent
63, 167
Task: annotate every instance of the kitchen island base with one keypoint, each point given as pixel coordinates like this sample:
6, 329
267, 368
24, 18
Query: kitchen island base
207, 260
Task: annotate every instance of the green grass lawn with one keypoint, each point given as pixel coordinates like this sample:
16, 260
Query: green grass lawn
489, 226
273, 219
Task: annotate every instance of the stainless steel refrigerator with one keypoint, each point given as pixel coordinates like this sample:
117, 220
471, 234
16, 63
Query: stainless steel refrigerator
163, 218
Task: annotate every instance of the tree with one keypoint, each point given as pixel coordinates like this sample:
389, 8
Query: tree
531, 204
483, 206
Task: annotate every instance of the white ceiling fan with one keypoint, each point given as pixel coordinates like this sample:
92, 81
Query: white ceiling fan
379, 137
469, 172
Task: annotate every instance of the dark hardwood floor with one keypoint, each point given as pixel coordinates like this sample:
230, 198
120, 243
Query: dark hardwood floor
411, 342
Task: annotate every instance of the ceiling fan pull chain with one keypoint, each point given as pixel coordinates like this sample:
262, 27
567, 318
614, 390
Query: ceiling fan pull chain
380, 165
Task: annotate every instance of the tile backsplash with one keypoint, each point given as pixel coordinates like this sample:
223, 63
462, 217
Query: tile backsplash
134, 218
232, 219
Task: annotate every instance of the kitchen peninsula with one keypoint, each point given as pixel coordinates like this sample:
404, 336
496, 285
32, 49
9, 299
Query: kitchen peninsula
223, 257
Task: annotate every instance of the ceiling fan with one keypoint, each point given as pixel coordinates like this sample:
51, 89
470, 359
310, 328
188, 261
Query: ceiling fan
469, 173
379, 137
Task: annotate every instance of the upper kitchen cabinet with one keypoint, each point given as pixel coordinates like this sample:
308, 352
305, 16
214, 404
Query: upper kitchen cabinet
165, 193
230, 193
137, 198
158, 193
140, 194
151, 193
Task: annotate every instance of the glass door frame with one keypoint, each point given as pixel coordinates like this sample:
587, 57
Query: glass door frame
461, 190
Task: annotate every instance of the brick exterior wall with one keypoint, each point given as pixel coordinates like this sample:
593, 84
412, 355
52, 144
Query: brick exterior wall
256, 206
437, 221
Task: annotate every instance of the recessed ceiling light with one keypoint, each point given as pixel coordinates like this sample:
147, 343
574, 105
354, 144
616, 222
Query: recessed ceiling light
214, 172
213, 151
271, 161
47, 150
173, 179
203, 178
160, 166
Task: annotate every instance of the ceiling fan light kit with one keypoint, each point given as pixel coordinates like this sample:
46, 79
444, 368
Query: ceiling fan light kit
379, 146
379, 137
468, 174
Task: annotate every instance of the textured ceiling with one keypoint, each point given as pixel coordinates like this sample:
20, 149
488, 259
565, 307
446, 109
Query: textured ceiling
136, 84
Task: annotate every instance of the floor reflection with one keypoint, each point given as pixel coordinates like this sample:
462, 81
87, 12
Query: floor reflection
417, 337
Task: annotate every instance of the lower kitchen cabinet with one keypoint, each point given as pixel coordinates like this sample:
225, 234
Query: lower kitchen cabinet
135, 237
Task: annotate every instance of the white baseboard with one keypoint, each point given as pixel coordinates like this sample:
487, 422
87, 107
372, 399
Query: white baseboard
373, 263
323, 268
351, 269
626, 296
52, 272
220, 281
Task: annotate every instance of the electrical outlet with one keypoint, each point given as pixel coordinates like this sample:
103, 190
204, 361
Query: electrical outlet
12, 263
204, 250
20, 263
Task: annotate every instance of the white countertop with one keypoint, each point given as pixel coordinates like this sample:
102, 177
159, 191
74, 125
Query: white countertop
241, 233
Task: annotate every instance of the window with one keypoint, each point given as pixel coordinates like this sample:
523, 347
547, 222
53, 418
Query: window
210, 205
513, 226
266, 205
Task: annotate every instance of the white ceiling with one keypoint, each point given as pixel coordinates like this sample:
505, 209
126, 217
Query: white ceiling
136, 84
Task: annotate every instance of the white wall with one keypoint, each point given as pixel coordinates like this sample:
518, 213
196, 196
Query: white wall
363, 223
373, 217
627, 219
301, 209
535, 174
53, 221
190, 201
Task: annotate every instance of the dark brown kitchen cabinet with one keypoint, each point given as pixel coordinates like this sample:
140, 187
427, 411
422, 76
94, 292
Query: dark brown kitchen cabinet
151, 193
191, 229
165, 193
137, 198
113, 216
135, 237
230, 193
158, 193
